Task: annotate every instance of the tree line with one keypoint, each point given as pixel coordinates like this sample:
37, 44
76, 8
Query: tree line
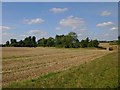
66, 41
118, 40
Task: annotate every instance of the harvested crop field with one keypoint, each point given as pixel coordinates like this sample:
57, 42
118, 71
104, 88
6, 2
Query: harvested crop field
27, 63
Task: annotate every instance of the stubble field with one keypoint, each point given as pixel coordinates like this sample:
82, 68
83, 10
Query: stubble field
27, 63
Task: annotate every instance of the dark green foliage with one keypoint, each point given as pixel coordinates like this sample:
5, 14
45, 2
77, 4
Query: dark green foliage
118, 40
7, 43
93, 43
42, 42
30, 41
33, 41
60, 41
87, 40
21, 43
50, 42
13, 42
27, 42
89, 43
65, 41
83, 44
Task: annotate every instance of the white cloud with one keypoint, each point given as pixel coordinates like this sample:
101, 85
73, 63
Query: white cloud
37, 32
5, 28
4, 34
107, 34
7, 36
22, 35
105, 13
114, 28
72, 22
83, 29
58, 28
34, 21
58, 10
104, 24
79, 34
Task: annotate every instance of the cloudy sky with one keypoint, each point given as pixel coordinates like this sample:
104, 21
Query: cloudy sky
95, 20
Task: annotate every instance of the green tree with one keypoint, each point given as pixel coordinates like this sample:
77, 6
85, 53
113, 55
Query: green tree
42, 42
33, 41
76, 45
13, 42
67, 41
83, 44
7, 43
87, 40
95, 43
21, 44
27, 42
73, 36
118, 40
50, 42
90, 44
59, 40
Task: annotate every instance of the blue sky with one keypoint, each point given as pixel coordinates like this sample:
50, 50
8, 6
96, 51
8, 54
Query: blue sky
42, 19
59, 0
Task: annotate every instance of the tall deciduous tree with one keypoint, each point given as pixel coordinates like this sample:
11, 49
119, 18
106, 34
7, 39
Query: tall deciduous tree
7, 43
67, 41
13, 42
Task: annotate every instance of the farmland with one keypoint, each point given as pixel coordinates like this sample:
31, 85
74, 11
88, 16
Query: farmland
22, 64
